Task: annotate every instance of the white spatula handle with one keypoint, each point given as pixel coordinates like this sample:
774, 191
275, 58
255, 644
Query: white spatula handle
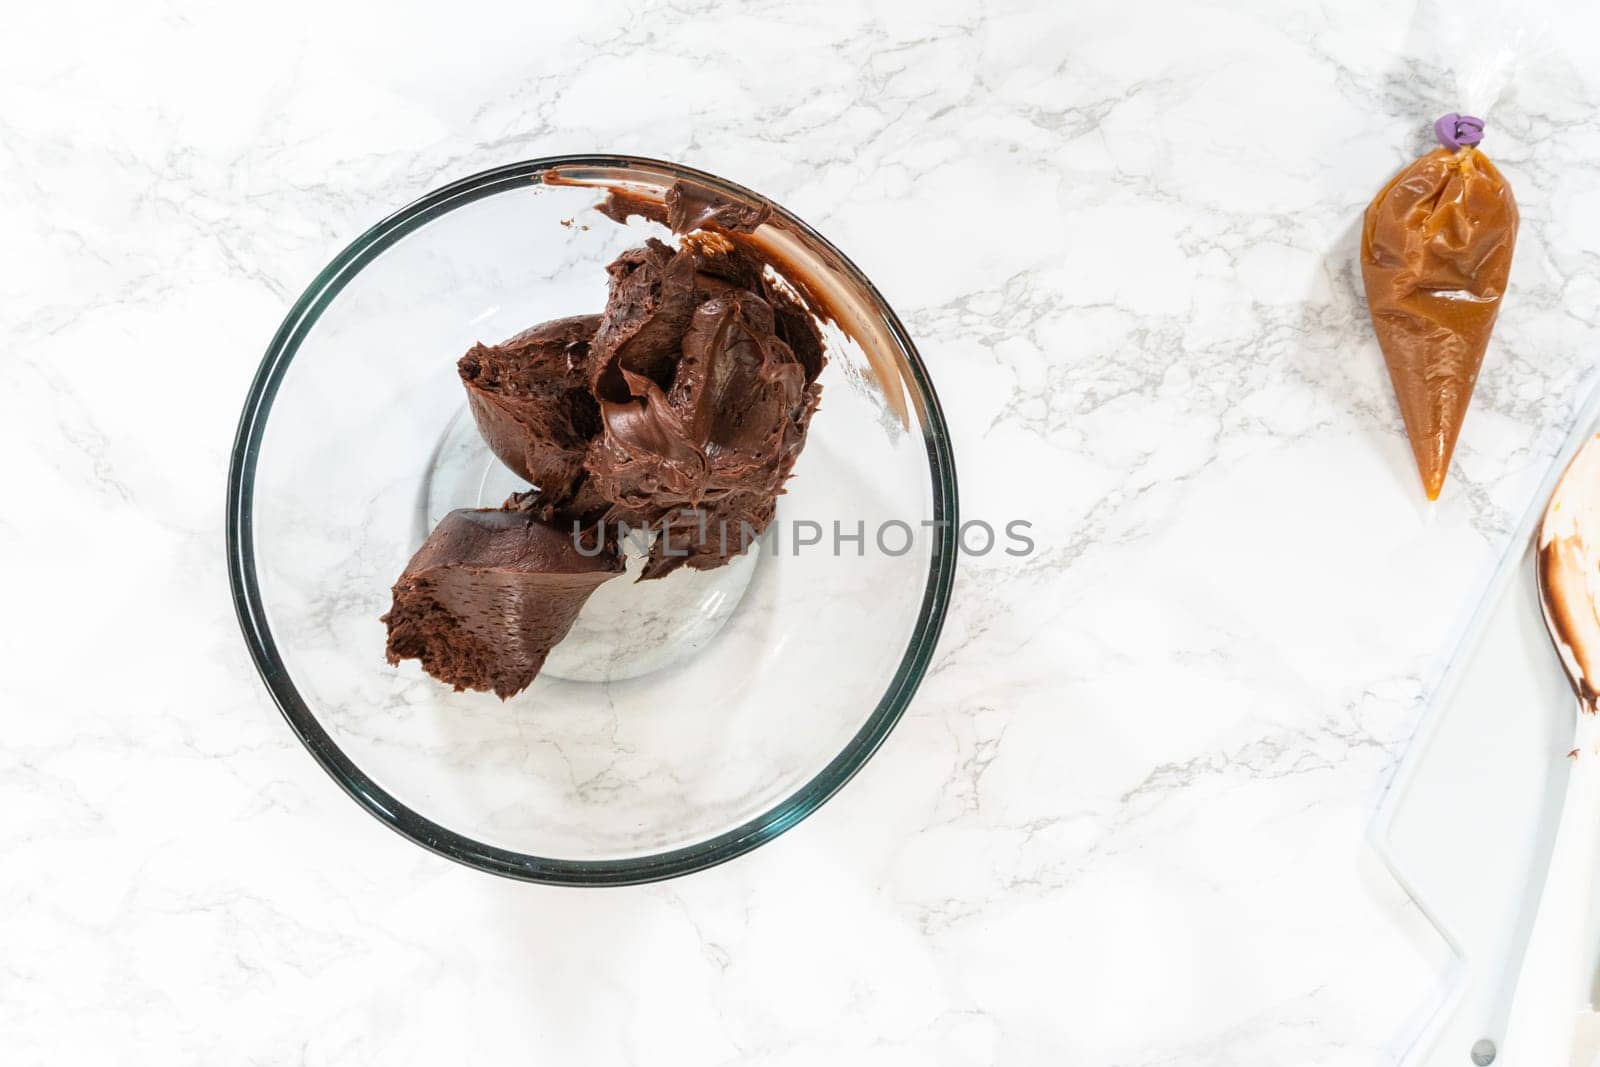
1552, 985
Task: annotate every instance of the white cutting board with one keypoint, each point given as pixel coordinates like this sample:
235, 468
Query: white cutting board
1468, 823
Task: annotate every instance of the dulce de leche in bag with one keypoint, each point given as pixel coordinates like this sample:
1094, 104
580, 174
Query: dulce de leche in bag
1435, 254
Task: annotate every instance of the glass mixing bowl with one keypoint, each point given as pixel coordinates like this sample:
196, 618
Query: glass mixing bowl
684, 721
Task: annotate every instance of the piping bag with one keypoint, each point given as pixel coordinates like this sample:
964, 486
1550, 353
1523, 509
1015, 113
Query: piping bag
1436, 247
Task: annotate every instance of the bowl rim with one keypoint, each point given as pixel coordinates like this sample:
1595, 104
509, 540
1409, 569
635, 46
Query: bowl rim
388, 809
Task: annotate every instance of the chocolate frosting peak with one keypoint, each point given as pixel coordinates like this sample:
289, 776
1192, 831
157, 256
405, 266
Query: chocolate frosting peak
719, 431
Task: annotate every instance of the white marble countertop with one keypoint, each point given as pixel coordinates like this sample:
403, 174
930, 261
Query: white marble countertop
1123, 822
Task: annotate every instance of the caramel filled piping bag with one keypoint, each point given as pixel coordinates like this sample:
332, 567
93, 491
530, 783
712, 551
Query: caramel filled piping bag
1435, 254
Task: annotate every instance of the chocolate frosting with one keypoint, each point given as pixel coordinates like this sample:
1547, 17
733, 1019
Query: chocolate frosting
1435, 256
487, 596
693, 391
722, 439
530, 397
704, 401
683, 407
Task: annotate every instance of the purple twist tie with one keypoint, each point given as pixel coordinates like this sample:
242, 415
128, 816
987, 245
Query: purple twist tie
1455, 130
